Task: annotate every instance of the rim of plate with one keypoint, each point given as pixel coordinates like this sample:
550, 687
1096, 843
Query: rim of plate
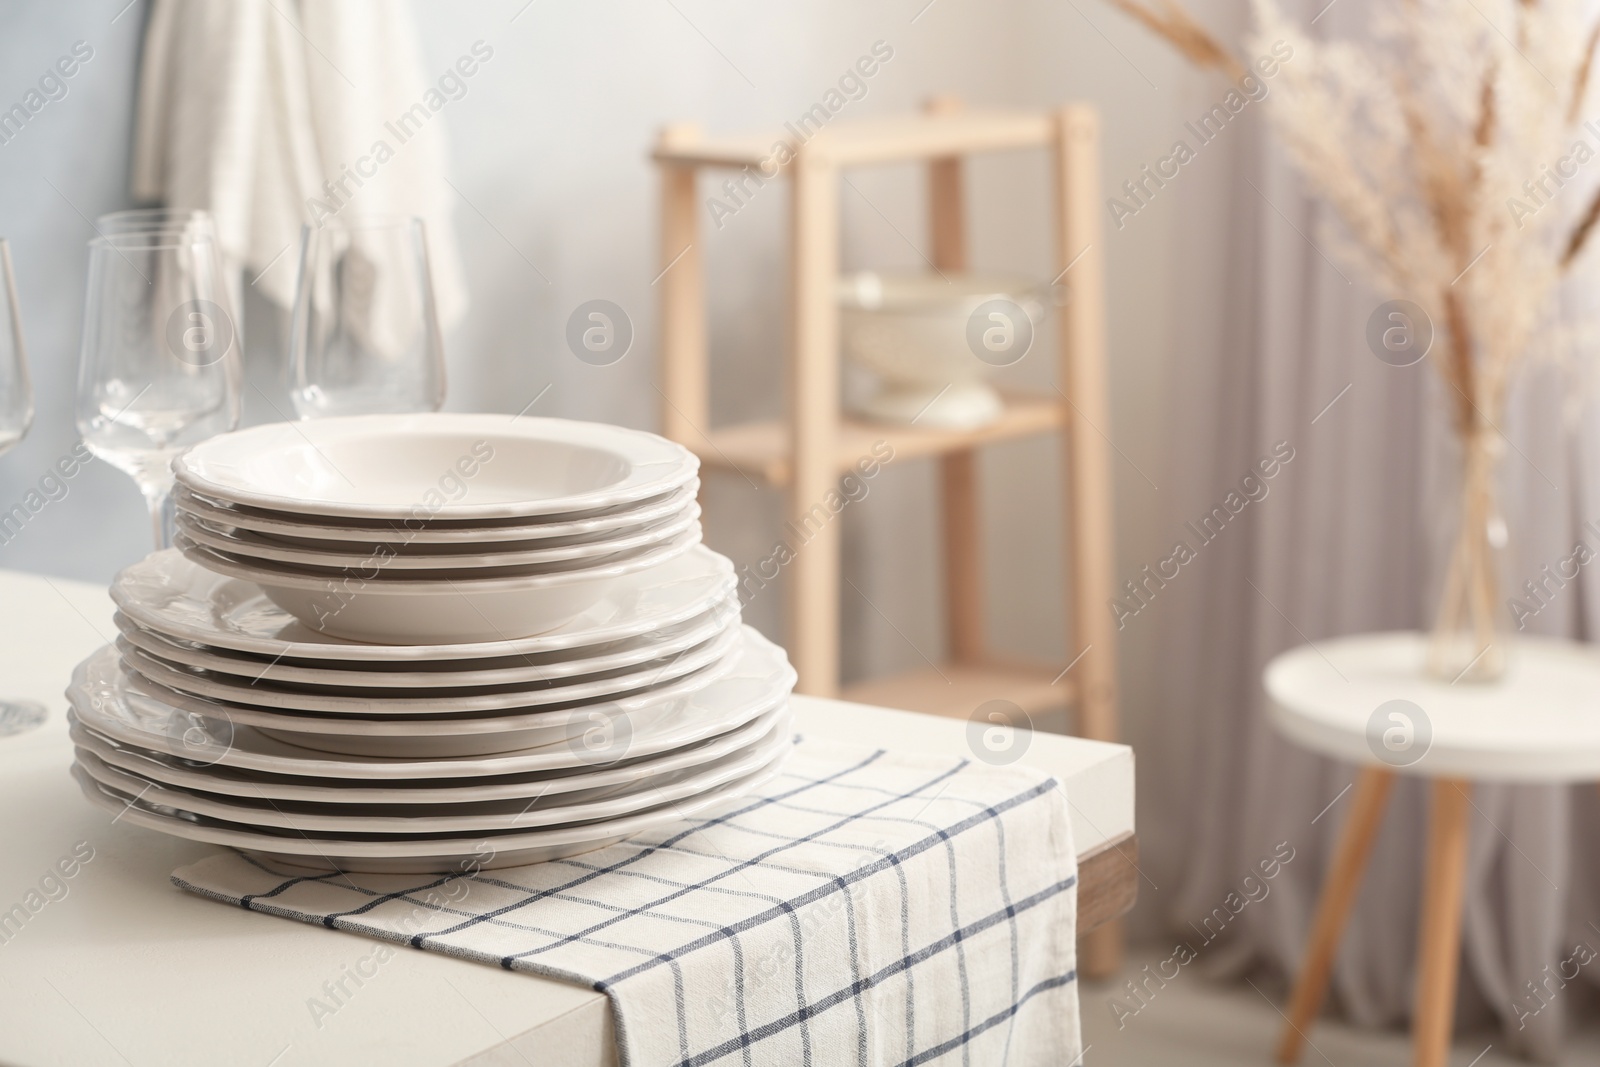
604, 830
762, 665
286, 525
348, 714
686, 635
284, 576
655, 464
205, 533
643, 796
172, 595
561, 720
154, 764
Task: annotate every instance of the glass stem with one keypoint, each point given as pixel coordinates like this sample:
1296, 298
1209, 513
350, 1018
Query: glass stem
158, 499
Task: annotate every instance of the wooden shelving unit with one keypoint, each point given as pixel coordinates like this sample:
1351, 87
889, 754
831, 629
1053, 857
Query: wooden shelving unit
761, 450
806, 452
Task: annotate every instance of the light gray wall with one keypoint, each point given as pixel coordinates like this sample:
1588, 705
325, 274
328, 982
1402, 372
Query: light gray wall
68, 164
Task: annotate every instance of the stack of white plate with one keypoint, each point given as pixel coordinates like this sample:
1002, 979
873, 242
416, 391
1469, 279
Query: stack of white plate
426, 712
408, 528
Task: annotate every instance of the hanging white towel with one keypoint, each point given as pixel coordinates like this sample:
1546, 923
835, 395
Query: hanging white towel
270, 114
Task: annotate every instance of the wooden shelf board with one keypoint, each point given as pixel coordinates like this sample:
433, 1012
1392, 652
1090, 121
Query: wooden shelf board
760, 450
955, 690
879, 139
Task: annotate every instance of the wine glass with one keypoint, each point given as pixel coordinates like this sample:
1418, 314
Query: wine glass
16, 392
16, 415
159, 366
196, 222
364, 336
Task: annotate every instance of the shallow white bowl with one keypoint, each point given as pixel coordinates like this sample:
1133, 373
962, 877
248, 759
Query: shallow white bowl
358, 607
434, 466
183, 601
246, 544
311, 531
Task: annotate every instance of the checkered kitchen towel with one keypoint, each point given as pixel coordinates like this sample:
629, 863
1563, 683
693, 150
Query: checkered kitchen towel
866, 907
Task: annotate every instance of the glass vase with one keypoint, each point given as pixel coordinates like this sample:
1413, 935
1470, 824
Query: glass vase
1472, 629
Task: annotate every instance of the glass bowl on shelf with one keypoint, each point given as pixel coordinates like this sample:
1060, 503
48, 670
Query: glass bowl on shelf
930, 341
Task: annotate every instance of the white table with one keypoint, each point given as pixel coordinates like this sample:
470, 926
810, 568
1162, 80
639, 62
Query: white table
128, 969
1367, 700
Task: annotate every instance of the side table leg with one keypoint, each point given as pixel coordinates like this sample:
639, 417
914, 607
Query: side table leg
1333, 906
1439, 948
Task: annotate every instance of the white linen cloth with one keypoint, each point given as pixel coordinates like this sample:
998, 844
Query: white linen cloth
258, 110
864, 907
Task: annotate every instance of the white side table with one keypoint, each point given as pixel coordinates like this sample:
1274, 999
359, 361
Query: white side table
1367, 699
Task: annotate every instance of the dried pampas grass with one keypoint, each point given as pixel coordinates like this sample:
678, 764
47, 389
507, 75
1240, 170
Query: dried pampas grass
1453, 146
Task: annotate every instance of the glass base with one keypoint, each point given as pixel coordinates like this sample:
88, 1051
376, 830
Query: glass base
1461, 658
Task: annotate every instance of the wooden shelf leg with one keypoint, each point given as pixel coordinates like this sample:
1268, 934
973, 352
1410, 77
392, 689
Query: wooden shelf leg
685, 385
963, 556
1339, 887
1091, 553
813, 529
1439, 947
958, 471
1086, 496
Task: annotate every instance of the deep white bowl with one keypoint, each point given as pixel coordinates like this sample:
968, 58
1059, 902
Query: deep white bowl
359, 607
434, 466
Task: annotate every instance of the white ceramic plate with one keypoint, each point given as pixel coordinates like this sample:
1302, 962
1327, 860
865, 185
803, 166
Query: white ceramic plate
402, 703
243, 544
472, 817
488, 851
400, 610
643, 725
432, 674
381, 568
183, 601
311, 532
600, 725
216, 778
434, 465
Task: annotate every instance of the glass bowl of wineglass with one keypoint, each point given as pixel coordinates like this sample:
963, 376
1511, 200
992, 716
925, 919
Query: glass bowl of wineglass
159, 365
16, 416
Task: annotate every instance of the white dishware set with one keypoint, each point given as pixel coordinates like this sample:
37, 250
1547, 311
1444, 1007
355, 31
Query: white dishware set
429, 642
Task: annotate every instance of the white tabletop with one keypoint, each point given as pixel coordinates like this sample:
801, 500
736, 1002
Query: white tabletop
1367, 699
125, 968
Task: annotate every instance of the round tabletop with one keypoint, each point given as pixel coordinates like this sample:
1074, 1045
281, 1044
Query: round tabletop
1368, 699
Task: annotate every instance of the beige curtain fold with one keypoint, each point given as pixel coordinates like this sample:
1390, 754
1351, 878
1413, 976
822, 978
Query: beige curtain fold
1350, 537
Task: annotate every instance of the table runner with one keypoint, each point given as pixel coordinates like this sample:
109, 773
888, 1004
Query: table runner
865, 906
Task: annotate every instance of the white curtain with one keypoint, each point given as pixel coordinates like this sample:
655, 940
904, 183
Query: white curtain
1348, 541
